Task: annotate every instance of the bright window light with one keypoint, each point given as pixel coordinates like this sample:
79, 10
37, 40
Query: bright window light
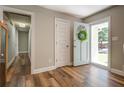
21, 25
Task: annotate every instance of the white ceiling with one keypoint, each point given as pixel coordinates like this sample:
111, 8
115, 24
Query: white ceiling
81, 11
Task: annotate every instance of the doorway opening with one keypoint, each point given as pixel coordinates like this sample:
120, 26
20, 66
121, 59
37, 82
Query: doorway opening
19, 44
100, 43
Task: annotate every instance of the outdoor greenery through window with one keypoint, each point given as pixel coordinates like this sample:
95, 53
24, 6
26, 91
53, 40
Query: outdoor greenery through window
103, 40
99, 43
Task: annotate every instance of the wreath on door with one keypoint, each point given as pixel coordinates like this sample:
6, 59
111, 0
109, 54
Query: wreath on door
82, 35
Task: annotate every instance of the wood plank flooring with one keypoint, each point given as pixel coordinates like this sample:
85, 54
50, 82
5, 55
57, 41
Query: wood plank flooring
82, 76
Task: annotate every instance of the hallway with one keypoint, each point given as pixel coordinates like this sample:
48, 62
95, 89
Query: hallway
19, 70
85, 76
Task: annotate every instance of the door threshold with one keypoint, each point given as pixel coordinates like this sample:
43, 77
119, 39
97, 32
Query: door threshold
100, 66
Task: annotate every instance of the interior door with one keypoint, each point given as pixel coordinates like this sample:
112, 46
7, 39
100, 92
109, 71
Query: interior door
81, 49
2, 57
62, 42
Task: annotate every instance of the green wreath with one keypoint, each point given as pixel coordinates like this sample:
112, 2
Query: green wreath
82, 35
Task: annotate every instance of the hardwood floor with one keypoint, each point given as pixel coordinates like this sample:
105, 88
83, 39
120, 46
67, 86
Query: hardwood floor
82, 76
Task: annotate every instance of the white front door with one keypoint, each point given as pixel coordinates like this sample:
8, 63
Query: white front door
81, 49
62, 42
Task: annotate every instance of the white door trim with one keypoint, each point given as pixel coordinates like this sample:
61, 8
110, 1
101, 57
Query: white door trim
109, 39
64, 20
32, 14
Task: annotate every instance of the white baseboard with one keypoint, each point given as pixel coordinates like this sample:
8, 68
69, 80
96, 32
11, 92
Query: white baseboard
116, 71
23, 52
10, 63
44, 69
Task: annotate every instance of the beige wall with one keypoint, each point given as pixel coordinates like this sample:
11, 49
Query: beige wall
117, 29
45, 34
1, 13
22, 41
